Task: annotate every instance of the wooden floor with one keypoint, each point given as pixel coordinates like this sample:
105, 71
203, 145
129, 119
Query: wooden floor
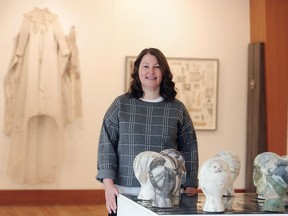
53, 210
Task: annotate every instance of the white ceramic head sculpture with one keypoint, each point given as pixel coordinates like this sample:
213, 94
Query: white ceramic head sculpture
141, 170
234, 164
164, 178
214, 180
181, 170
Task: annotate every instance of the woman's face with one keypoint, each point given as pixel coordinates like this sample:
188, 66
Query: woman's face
150, 73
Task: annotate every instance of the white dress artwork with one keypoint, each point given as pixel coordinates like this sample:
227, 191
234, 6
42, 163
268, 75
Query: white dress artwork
41, 87
214, 180
234, 164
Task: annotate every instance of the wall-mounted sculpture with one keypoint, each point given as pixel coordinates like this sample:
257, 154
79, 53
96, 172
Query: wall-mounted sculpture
270, 176
214, 180
234, 164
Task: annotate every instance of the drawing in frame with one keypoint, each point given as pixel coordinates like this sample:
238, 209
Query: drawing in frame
196, 81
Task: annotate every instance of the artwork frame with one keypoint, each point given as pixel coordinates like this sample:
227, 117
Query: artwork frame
196, 81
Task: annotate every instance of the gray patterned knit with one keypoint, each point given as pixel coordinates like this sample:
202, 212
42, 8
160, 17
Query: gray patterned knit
131, 126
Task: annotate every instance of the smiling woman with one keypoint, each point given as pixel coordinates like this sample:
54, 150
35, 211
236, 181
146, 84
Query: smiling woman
160, 76
150, 76
147, 118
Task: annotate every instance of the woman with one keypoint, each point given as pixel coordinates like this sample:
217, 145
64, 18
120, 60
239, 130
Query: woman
147, 118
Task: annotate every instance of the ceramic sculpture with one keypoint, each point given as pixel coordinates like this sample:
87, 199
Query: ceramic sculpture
214, 180
260, 170
165, 180
160, 176
285, 199
270, 176
234, 164
141, 170
180, 160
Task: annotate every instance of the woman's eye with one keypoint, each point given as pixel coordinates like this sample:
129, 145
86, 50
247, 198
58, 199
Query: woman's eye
157, 66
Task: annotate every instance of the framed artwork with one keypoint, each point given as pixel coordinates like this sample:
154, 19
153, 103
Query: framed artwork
196, 81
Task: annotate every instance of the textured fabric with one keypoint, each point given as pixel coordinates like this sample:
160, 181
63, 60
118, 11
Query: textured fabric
33, 83
131, 126
41, 93
71, 80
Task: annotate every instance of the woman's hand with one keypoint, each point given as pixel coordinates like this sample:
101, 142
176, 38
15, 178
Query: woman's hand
189, 191
111, 192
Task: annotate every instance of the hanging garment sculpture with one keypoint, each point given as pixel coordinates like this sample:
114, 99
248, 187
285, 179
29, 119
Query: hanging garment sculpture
42, 95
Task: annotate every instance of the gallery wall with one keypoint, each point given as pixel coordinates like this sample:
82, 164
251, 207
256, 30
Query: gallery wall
109, 30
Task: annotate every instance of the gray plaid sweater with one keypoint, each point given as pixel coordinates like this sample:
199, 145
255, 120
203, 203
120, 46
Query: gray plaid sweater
131, 126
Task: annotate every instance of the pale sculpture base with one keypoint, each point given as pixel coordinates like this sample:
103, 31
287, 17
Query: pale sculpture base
241, 204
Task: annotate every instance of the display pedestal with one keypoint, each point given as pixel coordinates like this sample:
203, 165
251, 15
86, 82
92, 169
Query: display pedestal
241, 204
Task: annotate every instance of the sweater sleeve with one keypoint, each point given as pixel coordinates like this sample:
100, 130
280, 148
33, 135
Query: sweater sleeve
188, 146
108, 141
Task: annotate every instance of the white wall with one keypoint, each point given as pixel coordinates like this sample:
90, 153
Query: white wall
109, 30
